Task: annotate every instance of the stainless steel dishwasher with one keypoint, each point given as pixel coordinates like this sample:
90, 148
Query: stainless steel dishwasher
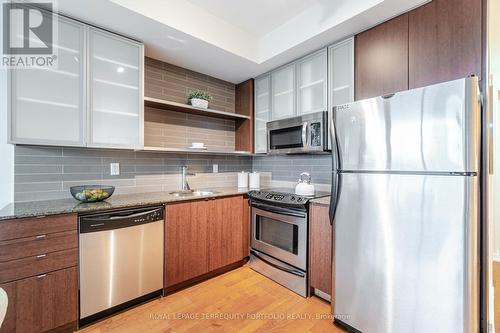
121, 260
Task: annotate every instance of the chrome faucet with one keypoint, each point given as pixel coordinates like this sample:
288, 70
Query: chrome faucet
184, 182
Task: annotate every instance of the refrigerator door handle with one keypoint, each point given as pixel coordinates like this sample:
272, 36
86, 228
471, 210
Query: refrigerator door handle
335, 190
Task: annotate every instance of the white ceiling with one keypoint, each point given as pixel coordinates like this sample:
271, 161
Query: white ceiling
234, 39
257, 17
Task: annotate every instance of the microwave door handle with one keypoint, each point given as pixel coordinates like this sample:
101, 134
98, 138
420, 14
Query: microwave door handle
304, 134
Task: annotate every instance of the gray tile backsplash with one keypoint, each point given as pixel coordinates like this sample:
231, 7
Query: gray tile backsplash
288, 168
42, 173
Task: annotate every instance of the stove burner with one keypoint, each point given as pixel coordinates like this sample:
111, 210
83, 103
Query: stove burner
282, 197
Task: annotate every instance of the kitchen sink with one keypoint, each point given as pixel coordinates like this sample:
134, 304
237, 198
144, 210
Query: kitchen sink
192, 193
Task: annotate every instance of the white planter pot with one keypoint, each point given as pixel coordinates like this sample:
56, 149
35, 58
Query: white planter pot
199, 103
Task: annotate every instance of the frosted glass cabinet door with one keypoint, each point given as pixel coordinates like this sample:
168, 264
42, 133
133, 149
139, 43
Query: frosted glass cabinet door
342, 72
116, 93
262, 111
283, 88
311, 83
47, 103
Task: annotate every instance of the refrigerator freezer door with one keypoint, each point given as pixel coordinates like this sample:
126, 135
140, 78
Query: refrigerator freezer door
431, 129
406, 253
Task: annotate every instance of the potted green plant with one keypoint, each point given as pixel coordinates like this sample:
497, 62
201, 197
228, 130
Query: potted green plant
199, 98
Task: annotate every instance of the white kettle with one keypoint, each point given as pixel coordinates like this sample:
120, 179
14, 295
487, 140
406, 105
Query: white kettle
304, 186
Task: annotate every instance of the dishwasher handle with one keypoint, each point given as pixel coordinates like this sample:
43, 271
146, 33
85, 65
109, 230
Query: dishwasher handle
119, 219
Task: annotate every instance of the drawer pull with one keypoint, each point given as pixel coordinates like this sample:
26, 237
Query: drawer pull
40, 256
41, 276
41, 236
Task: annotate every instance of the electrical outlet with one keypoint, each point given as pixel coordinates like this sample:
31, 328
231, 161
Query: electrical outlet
215, 168
114, 169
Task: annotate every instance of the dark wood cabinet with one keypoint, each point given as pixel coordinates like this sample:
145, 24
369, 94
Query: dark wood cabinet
42, 303
225, 236
203, 236
244, 105
437, 42
381, 59
444, 41
38, 271
186, 241
320, 249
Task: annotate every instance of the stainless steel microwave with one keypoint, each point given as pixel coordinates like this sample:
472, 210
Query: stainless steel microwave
299, 135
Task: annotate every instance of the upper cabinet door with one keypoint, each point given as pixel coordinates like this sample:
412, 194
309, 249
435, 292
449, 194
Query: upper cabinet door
47, 104
262, 111
311, 83
341, 57
382, 59
116, 91
283, 90
444, 41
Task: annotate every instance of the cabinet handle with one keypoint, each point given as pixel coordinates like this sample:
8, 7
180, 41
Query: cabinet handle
40, 256
41, 276
41, 236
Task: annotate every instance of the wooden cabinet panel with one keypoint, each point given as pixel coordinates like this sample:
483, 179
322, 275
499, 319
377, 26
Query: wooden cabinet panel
244, 105
31, 246
444, 41
30, 266
186, 241
381, 59
202, 236
225, 236
36, 226
320, 233
43, 303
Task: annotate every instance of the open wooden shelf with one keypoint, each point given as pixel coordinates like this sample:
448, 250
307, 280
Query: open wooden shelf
179, 107
197, 151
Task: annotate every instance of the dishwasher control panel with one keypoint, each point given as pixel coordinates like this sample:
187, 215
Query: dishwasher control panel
119, 219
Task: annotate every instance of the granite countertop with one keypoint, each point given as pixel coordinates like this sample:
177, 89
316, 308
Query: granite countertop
65, 206
321, 201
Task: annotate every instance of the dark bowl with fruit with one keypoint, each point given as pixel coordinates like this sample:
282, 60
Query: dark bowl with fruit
91, 193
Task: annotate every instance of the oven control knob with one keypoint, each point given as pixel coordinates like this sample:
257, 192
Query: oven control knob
293, 198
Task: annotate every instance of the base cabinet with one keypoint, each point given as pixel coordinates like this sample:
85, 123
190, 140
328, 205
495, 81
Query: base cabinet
42, 303
320, 260
186, 241
225, 236
202, 236
39, 273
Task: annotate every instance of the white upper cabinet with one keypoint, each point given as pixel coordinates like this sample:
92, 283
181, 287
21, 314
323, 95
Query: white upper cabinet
92, 97
341, 73
47, 105
312, 83
262, 111
115, 99
283, 92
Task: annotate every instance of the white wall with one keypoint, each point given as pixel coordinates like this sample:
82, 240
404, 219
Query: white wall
494, 54
6, 150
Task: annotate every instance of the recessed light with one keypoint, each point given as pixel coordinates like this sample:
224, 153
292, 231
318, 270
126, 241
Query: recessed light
120, 69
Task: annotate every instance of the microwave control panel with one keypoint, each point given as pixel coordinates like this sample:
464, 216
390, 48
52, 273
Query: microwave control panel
315, 129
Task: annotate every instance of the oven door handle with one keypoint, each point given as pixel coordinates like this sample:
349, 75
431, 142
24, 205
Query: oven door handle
281, 211
284, 269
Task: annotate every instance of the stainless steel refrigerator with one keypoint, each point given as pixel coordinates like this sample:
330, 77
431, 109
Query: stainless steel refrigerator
405, 211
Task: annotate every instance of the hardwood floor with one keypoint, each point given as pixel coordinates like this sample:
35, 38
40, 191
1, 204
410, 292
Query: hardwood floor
238, 301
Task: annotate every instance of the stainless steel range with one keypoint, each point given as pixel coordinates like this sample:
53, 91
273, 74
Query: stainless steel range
279, 236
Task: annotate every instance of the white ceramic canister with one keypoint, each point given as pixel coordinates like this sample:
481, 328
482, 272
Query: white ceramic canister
243, 179
254, 180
